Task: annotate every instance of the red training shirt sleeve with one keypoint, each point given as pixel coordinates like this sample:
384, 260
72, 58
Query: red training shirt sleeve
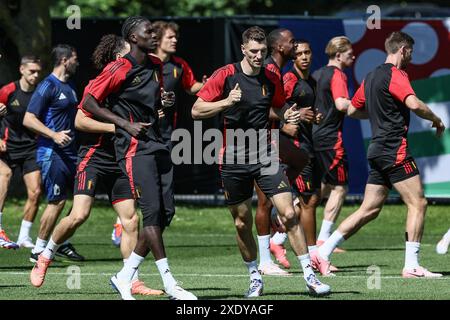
289, 81
188, 79
213, 89
109, 80
400, 87
359, 99
5, 92
338, 85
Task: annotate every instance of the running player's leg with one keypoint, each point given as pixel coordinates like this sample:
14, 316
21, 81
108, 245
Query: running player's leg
238, 183
144, 173
32, 180
58, 178
5, 177
262, 222
334, 168
375, 194
276, 186
412, 194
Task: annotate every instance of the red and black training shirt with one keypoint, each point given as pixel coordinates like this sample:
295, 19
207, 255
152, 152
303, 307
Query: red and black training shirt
259, 94
20, 141
178, 76
383, 93
302, 92
95, 148
331, 84
134, 93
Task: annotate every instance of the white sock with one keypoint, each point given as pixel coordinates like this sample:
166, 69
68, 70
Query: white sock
130, 267
135, 275
312, 248
253, 270
50, 249
264, 249
333, 241
164, 270
447, 236
325, 230
1, 214
40, 246
412, 255
279, 238
25, 228
305, 262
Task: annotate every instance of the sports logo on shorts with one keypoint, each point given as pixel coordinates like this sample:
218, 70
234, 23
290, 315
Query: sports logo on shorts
175, 72
89, 186
282, 185
56, 190
136, 81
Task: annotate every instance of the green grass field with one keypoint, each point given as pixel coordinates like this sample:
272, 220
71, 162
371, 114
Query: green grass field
203, 255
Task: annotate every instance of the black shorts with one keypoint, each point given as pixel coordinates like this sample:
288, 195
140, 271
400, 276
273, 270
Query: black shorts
383, 172
115, 183
308, 182
237, 181
27, 163
151, 181
333, 165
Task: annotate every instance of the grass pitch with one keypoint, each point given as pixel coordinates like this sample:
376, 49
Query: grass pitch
203, 255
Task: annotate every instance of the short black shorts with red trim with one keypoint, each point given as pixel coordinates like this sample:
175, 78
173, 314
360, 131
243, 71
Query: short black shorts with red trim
27, 163
383, 172
308, 182
237, 181
333, 165
114, 183
150, 177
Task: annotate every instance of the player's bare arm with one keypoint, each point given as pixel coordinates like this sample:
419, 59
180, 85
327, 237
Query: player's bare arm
61, 138
87, 124
357, 113
91, 105
422, 110
203, 109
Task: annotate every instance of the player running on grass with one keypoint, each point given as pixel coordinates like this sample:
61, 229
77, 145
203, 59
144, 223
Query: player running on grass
245, 92
97, 164
51, 114
387, 98
18, 149
133, 86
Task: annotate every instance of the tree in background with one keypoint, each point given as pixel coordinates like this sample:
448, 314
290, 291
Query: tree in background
24, 28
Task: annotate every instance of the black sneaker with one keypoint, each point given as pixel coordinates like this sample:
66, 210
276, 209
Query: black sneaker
69, 252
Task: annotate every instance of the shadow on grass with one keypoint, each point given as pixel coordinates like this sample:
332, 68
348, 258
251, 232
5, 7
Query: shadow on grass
13, 286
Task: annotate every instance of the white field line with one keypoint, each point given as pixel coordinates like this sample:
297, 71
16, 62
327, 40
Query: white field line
207, 275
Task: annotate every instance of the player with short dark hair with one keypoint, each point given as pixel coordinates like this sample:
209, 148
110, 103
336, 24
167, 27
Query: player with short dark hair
245, 92
97, 165
50, 114
282, 47
18, 148
132, 85
387, 99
